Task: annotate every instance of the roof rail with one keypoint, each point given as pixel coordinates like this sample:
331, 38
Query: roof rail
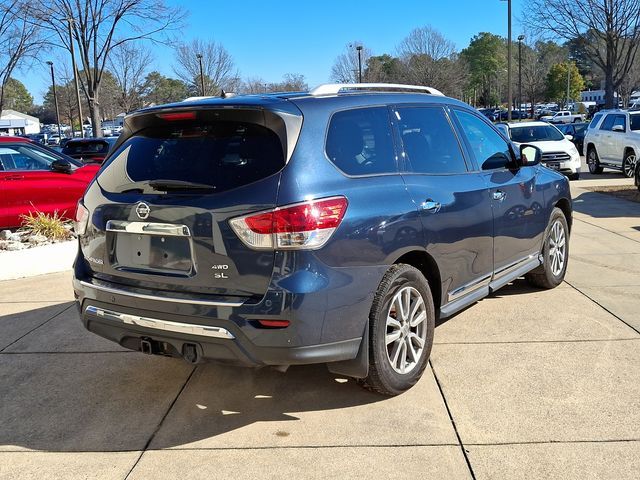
334, 88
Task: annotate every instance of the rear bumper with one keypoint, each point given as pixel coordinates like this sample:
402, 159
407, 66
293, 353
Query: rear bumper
327, 318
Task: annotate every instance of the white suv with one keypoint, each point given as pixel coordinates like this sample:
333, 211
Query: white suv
558, 152
613, 141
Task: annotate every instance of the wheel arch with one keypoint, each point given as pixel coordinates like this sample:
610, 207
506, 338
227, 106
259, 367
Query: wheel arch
429, 268
628, 149
564, 205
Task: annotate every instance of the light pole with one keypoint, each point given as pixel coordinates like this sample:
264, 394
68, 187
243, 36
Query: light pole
75, 77
568, 82
55, 99
520, 39
509, 90
199, 57
359, 49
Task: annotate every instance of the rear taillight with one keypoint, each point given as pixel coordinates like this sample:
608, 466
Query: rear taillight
307, 225
82, 218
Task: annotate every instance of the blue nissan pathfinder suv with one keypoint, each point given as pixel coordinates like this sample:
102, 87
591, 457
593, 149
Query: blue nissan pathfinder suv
332, 226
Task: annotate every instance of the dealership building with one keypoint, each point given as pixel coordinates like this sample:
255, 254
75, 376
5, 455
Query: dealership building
16, 123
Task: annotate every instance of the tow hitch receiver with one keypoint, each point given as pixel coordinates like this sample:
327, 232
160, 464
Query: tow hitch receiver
145, 346
190, 353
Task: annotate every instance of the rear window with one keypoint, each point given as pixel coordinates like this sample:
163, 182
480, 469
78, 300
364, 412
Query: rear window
359, 141
78, 148
223, 154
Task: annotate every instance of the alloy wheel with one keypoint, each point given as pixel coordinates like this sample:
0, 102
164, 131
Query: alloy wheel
591, 161
406, 330
557, 248
629, 166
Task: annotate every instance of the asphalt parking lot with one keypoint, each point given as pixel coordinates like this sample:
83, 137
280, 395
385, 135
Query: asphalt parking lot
525, 384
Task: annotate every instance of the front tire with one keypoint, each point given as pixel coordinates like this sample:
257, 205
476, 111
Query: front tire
593, 161
401, 323
629, 164
555, 253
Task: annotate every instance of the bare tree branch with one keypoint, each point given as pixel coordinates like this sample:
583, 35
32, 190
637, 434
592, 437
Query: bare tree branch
217, 66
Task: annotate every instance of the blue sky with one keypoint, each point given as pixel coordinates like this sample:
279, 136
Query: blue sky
270, 38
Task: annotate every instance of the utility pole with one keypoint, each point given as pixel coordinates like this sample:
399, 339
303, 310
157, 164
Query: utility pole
199, 57
55, 99
568, 83
359, 49
520, 39
509, 86
75, 77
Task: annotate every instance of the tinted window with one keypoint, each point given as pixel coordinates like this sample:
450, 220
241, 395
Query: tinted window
224, 155
22, 157
490, 149
359, 141
77, 148
429, 142
580, 128
620, 121
607, 123
634, 123
594, 121
535, 133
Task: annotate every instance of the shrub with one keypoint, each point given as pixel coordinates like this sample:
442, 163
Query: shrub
51, 226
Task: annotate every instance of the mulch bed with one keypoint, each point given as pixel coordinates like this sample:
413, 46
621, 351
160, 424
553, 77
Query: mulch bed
627, 192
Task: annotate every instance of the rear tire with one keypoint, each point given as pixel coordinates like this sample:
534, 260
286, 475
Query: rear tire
555, 253
629, 164
401, 323
593, 161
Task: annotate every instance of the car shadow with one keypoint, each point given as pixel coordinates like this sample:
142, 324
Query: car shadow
601, 205
81, 401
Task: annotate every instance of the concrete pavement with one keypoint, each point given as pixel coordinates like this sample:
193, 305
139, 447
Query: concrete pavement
525, 384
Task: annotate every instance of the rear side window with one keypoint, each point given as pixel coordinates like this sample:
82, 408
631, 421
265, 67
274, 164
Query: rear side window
429, 142
224, 154
359, 141
634, 122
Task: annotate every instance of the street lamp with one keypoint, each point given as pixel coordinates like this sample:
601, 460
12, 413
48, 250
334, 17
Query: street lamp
55, 99
199, 57
520, 39
509, 92
359, 49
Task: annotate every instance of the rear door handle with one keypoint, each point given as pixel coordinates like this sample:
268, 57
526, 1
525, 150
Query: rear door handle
499, 195
430, 206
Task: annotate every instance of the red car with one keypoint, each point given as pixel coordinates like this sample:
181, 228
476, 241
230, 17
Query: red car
34, 178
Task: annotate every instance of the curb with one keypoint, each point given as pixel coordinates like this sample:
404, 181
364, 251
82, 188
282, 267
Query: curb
56, 257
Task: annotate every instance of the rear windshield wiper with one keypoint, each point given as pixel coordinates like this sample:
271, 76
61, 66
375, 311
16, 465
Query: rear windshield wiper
154, 186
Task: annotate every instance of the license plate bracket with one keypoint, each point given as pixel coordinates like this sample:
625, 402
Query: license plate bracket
153, 253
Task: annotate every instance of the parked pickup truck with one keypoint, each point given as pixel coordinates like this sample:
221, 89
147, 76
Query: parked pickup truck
563, 116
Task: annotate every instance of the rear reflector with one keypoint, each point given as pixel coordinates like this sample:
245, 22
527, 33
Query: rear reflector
176, 116
274, 323
306, 225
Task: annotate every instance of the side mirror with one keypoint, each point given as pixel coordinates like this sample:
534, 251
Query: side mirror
529, 155
569, 137
618, 128
62, 166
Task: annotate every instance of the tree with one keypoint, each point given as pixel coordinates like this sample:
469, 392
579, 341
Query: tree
486, 58
610, 30
630, 84
129, 64
430, 59
557, 79
217, 67
20, 40
16, 96
158, 89
345, 66
385, 69
99, 27
537, 60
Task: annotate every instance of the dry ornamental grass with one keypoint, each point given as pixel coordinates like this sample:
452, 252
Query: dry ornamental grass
51, 226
